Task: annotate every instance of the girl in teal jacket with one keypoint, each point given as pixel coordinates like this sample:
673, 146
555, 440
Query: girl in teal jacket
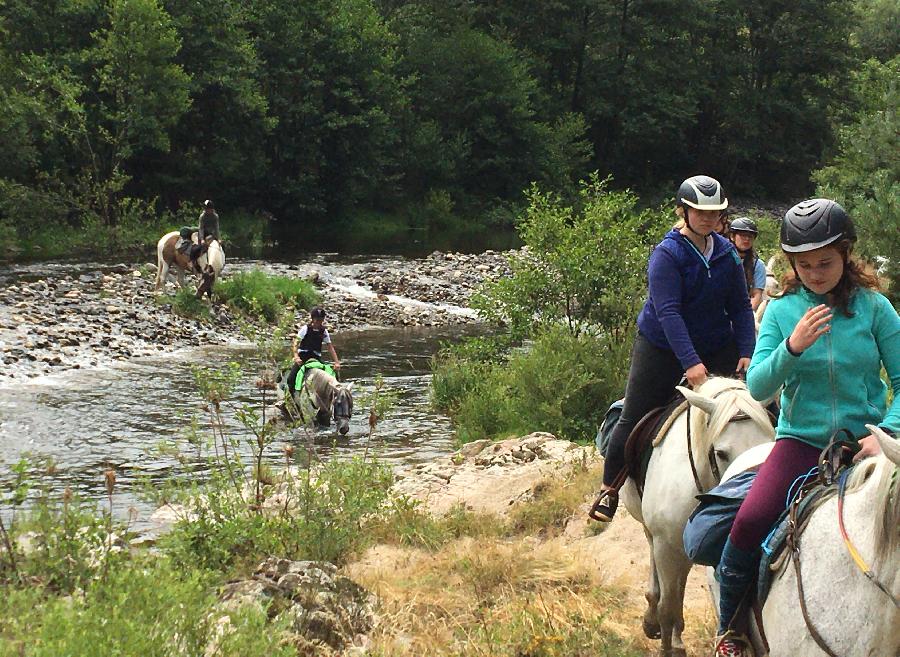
825, 341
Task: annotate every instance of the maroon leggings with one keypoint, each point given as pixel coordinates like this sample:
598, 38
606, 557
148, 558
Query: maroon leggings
766, 500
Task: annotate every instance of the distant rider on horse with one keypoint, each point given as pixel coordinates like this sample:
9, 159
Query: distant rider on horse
308, 343
743, 232
207, 230
696, 321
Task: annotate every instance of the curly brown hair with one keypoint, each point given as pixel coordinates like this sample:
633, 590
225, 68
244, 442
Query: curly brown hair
857, 273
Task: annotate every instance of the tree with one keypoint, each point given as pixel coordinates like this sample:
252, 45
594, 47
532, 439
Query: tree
865, 174
584, 266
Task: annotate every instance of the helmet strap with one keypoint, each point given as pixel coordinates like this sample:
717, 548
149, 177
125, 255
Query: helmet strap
687, 221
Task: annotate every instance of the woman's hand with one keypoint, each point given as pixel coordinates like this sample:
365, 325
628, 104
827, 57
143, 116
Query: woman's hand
742, 365
810, 328
868, 446
696, 375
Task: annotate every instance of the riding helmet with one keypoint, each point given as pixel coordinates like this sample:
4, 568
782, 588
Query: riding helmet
208, 204
813, 224
317, 313
702, 193
744, 225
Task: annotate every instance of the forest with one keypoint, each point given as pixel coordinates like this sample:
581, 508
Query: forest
120, 116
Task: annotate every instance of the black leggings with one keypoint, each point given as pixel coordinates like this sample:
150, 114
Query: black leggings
652, 379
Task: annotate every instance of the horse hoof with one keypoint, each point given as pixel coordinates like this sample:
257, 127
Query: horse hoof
673, 652
652, 629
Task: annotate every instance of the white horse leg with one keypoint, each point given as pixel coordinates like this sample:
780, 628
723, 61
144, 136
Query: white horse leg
650, 622
672, 570
162, 271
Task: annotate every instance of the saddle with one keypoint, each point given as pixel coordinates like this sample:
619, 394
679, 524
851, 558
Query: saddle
639, 445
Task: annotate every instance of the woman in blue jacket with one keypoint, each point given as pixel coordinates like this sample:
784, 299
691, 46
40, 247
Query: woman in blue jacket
825, 340
696, 321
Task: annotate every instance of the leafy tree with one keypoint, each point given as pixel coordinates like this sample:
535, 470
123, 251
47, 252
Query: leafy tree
865, 173
219, 143
480, 135
583, 266
327, 70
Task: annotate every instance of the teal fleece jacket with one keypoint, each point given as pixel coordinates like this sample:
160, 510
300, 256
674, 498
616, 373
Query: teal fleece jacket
836, 383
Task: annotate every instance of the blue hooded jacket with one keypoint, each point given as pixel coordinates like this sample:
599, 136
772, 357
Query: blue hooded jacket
695, 307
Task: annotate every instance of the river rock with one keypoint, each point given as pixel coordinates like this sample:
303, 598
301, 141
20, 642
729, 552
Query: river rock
327, 613
491, 477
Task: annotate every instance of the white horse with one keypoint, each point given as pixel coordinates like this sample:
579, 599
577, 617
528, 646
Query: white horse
725, 421
328, 398
211, 262
853, 616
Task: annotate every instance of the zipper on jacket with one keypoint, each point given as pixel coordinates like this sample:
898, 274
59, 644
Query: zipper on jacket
834, 426
702, 257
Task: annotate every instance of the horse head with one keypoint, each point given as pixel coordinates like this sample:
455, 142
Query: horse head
726, 423
342, 407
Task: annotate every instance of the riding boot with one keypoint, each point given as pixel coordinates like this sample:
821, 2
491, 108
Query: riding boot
734, 573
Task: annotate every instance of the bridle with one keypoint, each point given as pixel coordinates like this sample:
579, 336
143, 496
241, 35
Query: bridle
740, 416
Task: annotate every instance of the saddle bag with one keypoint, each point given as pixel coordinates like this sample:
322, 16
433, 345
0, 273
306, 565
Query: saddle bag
708, 526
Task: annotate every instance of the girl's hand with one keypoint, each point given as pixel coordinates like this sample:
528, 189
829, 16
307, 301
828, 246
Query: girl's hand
810, 328
742, 365
696, 375
868, 446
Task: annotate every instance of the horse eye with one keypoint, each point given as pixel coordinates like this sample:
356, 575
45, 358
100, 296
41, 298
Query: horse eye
721, 454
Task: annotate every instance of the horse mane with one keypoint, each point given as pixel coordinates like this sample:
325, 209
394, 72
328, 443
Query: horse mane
732, 397
887, 500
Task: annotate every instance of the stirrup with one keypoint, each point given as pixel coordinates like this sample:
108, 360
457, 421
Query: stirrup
732, 644
604, 507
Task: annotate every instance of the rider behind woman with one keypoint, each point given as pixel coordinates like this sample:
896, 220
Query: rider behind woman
308, 344
825, 340
743, 233
696, 321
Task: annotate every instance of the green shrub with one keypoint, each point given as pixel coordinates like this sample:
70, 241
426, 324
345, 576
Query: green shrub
256, 292
559, 383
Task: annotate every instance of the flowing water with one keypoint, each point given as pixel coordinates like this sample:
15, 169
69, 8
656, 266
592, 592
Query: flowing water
87, 421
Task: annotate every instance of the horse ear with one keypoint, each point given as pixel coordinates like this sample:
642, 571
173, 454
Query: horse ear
349, 386
890, 446
698, 400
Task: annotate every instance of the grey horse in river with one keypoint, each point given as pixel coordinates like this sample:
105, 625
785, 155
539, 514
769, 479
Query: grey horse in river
321, 398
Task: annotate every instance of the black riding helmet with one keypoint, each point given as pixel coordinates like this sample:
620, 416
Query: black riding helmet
744, 225
702, 193
813, 224
317, 313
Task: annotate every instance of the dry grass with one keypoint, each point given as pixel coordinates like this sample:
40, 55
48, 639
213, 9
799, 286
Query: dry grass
537, 583
490, 597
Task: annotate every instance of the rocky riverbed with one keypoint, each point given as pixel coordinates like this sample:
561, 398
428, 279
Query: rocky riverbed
111, 313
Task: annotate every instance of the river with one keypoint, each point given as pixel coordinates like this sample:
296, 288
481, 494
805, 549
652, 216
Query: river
117, 414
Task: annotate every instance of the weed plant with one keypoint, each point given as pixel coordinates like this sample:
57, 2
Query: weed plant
186, 304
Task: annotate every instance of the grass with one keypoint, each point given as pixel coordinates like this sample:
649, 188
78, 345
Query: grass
259, 294
186, 304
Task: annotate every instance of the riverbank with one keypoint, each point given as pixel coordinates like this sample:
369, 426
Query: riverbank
95, 315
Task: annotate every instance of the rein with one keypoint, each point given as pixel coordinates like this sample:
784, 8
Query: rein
854, 553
